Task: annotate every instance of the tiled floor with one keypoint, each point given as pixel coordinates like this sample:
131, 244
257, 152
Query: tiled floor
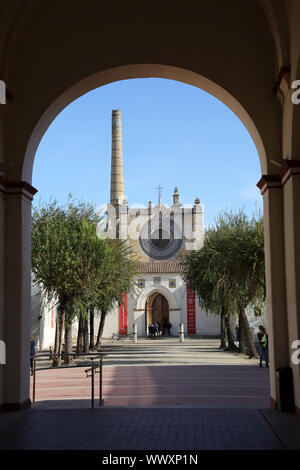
159, 396
141, 429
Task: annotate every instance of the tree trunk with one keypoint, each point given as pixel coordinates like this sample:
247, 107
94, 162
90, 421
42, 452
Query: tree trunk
231, 345
86, 335
248, 335
92, 334
223, 332
56, 342
68, 360
79, 347
58, 337
100, 330
242, 344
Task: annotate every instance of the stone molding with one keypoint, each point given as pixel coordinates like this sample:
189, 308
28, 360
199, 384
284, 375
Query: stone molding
10, 188
289, 168
268, 181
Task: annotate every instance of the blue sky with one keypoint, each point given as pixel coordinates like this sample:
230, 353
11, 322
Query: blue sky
173, 135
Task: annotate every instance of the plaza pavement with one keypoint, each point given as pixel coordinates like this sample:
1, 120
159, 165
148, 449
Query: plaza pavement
162, 372
159, 395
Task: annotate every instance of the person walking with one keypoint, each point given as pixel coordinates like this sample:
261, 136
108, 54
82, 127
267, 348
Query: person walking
263, 345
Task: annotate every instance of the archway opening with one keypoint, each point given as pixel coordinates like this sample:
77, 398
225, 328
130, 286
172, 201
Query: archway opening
159, 307
157, 310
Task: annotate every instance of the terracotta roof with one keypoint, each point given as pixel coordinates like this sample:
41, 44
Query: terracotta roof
159, 267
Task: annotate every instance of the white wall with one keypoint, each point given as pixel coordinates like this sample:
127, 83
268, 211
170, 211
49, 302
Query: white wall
36, 314
206, 325
111, 323
42, 326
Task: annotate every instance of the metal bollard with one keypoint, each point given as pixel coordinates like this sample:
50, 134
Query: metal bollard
181, 332
93, 385
92, 370
34, 380
101, 400
134, 333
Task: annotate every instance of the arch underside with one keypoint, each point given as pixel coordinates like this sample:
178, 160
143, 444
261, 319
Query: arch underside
152, 291
193, 49
131, 72
53, 52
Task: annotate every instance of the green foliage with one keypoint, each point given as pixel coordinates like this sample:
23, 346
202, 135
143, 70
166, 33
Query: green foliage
115, 269
71, 263
228, 272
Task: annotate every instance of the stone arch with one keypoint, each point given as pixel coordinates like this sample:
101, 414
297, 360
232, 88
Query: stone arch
46, 68
141, 300
131, 72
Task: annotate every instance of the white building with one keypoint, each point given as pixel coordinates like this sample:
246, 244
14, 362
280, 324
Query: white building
158, 234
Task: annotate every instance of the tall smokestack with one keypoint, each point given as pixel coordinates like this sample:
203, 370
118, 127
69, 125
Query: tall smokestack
116, 177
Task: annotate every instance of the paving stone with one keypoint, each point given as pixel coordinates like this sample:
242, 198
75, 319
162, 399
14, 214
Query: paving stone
83, 429
194, 398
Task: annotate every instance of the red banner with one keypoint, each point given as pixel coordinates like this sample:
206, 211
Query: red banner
123, 316
191, 311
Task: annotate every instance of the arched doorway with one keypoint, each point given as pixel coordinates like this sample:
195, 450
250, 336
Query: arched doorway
156, 309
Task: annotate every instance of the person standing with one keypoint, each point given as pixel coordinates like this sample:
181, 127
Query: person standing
263, 345
164, 328
152, 331
169, 326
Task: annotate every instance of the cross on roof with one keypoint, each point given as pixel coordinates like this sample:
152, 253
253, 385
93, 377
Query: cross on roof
159, 187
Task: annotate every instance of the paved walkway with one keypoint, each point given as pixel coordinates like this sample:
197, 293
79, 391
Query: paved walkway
168, 351
141, 429
162, 373
158, 396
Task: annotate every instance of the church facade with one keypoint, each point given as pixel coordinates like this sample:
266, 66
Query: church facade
158, 234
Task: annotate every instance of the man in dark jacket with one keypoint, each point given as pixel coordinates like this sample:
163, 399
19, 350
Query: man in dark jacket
169, 326
263, 340
152, 331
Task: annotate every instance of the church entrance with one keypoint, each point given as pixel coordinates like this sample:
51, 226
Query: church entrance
156, 309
